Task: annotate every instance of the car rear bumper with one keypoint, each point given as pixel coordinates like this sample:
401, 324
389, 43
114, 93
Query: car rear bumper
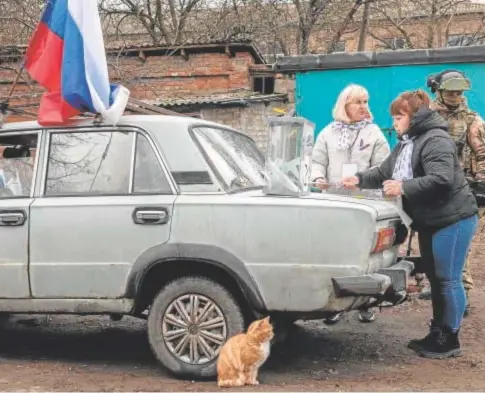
384, 283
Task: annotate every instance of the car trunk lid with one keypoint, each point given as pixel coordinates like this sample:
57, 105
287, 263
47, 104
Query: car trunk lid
385, 209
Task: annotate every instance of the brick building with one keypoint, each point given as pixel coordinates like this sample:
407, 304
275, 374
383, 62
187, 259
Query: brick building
413, 26
226, 82
394, 24
193, 69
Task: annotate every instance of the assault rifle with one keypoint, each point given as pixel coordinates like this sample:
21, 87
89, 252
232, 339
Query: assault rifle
478, 189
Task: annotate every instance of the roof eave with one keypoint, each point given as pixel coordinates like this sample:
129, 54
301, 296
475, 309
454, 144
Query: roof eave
171, 50
302, 63
233, 102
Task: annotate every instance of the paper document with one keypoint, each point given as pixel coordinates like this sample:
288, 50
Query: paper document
404, 217
348, 170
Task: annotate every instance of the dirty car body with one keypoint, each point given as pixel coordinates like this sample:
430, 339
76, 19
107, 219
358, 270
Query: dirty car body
165, 218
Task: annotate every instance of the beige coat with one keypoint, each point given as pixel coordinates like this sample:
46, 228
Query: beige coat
370, 149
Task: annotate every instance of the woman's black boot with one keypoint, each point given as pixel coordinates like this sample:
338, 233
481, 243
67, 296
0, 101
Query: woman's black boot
418, 344
444, 345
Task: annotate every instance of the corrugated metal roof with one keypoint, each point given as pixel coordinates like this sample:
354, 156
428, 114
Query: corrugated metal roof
233, 97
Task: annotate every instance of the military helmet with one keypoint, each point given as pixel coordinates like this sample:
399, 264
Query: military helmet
450, 80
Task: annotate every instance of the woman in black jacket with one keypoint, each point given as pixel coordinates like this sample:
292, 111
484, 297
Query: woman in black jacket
423, 171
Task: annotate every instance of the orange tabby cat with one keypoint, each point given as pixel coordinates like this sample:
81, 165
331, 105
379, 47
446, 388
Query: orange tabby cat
242, 355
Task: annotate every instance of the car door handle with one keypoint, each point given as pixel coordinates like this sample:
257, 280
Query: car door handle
150, 216
12, 218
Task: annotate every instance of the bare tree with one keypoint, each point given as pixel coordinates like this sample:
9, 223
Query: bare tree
302, 18
293, 26
274, 24
309, 13
343, 24
422, 23
18, 19
277, 26
164, 21
363, 27
223, 20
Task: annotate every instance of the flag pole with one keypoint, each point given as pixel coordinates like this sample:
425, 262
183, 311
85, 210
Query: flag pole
16, 80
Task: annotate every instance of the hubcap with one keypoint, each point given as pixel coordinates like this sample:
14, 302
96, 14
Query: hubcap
194, 329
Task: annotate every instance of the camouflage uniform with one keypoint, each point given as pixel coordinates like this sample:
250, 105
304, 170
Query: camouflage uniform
468, 131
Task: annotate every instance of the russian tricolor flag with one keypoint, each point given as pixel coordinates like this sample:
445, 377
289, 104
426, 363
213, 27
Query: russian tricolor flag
66, 55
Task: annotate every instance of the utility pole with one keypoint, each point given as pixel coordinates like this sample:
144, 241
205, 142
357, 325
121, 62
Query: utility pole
363, 27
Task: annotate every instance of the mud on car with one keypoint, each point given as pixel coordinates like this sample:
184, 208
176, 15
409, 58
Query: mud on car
165, 218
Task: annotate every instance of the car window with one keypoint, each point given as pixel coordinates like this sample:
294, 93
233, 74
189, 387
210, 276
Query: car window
95, 163
233, 155
185, 160
148, 176
17, 163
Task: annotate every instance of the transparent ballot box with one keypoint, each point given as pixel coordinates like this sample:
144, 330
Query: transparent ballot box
289, 156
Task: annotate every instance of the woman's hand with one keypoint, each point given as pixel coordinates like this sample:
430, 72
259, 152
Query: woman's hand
393, 188
350, 182
321, 184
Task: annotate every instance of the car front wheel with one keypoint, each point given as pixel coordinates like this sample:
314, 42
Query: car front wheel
189, 321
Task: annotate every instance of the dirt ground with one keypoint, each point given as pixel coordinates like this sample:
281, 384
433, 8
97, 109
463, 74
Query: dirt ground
65, 353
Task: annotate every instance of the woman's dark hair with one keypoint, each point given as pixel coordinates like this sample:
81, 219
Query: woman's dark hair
409, 102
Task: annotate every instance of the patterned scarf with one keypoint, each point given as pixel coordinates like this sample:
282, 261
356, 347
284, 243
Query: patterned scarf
347, 131
403, 170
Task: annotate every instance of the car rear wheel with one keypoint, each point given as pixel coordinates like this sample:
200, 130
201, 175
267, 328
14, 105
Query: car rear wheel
189, 321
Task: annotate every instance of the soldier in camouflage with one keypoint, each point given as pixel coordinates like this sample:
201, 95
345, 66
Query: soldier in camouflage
467, 130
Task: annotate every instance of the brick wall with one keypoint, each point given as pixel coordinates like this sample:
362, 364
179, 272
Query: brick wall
173, 76
250, 119
156, 77
416, 29
162, 77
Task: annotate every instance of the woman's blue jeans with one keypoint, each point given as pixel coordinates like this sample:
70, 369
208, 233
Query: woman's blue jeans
444, 253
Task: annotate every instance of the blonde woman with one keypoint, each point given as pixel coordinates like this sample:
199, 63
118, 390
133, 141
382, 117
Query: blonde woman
349, 144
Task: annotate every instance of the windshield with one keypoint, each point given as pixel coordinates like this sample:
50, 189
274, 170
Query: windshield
234, 156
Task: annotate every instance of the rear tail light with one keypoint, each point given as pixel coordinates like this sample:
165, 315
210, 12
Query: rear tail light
384, 239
